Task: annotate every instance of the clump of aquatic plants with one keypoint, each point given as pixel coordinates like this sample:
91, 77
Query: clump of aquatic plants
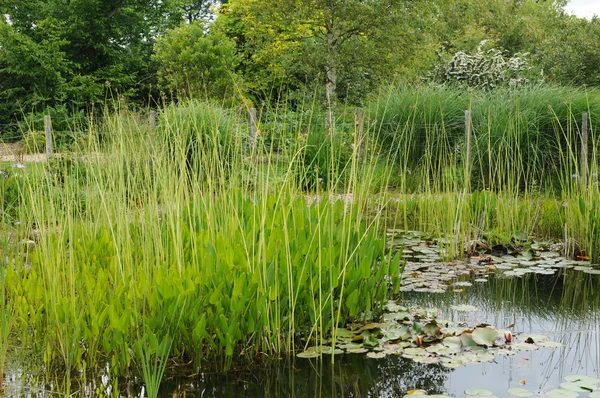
190, 251
418, 334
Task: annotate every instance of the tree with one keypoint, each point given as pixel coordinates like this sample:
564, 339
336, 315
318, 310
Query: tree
55, 51
572, 55
286, 45
201, 64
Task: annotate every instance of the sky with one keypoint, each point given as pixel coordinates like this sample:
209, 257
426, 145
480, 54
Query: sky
584, 8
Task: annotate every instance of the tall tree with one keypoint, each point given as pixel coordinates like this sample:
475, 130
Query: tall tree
285, 44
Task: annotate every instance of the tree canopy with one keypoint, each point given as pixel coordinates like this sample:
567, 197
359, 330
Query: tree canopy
79, 52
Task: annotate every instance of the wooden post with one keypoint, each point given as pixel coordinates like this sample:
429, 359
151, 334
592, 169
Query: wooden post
583, 161
152, 120
253, 129
48, 128
468, 140
359, 133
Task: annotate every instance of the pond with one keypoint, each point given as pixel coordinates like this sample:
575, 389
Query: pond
562, 306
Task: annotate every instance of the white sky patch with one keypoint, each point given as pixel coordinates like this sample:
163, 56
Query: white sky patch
583, 8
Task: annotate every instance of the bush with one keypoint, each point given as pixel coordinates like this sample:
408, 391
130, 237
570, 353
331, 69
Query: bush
486, 69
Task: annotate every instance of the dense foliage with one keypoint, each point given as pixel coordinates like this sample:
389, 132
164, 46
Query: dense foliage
87, 52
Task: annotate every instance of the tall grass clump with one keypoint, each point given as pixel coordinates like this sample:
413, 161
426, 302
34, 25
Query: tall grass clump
190, 245
522, 174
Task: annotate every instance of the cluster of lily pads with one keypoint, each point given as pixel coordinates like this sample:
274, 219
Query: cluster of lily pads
426, 272
570, 388
416, 333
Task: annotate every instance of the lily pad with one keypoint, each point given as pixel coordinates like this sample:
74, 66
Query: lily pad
356, 350
574, 387
479, 392
592, 271
377, 355
485, 336
560, 393
582, 378
308, 354
519, 392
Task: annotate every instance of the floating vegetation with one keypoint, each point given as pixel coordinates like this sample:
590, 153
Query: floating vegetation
425, 272
416, 333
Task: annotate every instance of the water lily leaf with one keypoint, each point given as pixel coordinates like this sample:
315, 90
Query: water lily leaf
560, 393
574, 387
331, 351
464, 308
465, 284
485, 336
369, 340
361, 350
414, 351
534, 338
483, 357
425, 360
582, 378
504, 351
438, 396
592, 271
595, 395
479, 392
312, 352
524, 347
417, 327
376, 355
397, 316
371, 326
432, 329
438, 349
397, 334
467, 340
350, 346
344, 334
456, 330
452, 341
519, 392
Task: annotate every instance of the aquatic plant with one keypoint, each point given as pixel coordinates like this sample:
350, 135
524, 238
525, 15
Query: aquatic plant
190, 250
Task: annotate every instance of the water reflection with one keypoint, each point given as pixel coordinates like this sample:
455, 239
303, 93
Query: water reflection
350, 376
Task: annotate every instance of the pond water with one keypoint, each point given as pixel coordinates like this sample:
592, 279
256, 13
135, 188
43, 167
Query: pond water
564, 306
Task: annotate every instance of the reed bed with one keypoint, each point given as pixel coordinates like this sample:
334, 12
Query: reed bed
187, 242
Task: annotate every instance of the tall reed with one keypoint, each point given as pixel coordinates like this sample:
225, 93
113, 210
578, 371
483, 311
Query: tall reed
188, 234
